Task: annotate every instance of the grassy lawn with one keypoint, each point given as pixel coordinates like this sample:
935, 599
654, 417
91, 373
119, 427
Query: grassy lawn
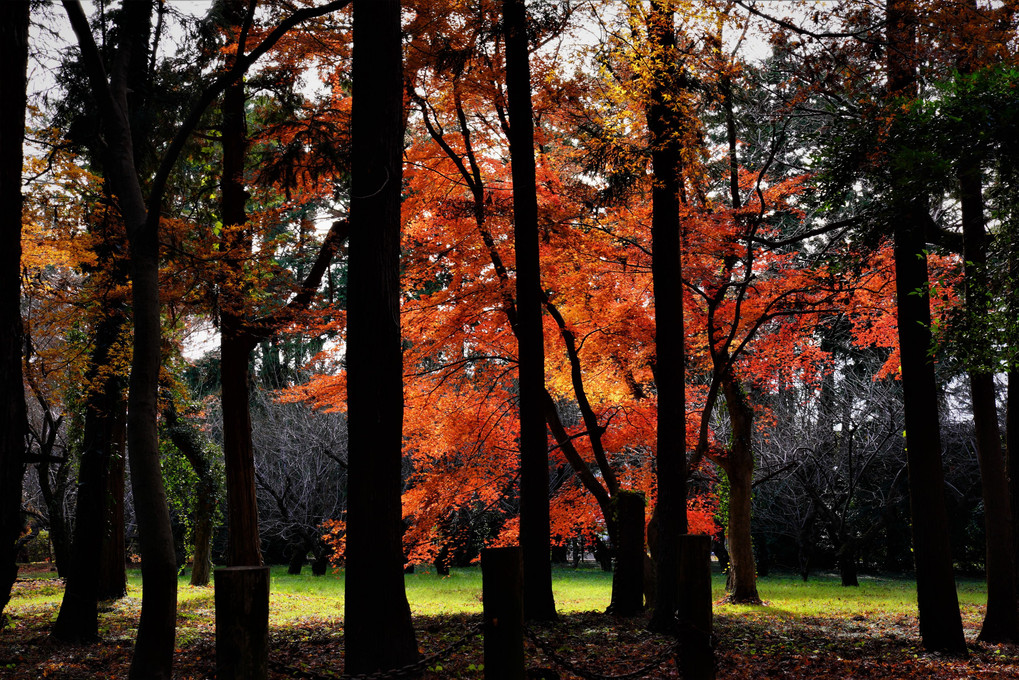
816, 629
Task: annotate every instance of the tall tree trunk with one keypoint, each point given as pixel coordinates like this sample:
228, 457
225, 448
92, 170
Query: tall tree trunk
666, 271
78, 619
153, 652
739, 468
937, 600
1001, 619
534, 504
235, 344
13, 425
379, 632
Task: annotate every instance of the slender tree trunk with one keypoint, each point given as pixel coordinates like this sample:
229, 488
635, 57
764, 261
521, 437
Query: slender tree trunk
78, 619
940, 621
740, 471
238, 450
235, 344
13, 425
379, 633
937, 600
153, 652
1001, 619
666, 271
534, 504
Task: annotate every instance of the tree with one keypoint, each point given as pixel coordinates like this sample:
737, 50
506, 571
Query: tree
14, 80
154, 646
301, 473
1001, 622
940, 621
534, 522
666, 128
378, 629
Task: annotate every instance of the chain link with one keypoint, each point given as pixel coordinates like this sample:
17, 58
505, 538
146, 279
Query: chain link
641, 672
408, 671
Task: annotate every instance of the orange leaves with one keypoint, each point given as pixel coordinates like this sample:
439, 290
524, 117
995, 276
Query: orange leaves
872, 309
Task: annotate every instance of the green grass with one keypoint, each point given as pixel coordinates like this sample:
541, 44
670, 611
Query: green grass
823, 596
295, 598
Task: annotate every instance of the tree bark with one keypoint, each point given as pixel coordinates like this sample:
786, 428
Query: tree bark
1001, 619
739, 468
13, 425
534, 504
670, 356
937, 600
379, 632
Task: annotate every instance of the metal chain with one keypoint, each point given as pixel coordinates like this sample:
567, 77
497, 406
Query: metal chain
641, 672
410, 670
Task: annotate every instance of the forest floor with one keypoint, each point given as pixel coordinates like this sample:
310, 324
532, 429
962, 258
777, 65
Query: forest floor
814, 630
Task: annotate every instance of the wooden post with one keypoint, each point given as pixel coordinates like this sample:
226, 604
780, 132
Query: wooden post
242, 623
503, 600
697, 656
628, 578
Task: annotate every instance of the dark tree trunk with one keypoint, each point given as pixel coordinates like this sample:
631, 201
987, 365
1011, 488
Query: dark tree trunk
235, 344
78, 619
1001, 619
298, 556
534, 507
153, 653
937, 600
847, 565
379, 632
739, 468
201, 561
13, 425
940, 621
666, 271
628, 577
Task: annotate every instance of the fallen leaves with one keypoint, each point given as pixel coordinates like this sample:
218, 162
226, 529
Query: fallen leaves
750, 646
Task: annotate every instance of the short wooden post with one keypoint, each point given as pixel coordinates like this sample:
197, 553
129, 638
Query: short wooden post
697, 657
628, 578
503, 600
242, 623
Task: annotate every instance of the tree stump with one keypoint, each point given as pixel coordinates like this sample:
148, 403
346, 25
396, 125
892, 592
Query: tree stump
503, 600
242, 623
697, 654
